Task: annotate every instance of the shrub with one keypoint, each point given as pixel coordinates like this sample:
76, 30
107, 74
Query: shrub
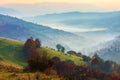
70, 61
38, 62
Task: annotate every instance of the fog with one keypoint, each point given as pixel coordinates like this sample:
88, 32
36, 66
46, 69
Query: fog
75, 28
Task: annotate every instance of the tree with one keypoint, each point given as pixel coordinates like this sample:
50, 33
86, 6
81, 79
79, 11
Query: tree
29, 46
34, 61
38, 43
60, 48
39, 62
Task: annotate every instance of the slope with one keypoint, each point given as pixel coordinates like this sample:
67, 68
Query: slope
80, 19
11, 52
9, 11
96, 26
14, 28
111, 51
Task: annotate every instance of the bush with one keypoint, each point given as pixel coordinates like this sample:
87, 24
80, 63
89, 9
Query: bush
38, 62
70, 61
35, 60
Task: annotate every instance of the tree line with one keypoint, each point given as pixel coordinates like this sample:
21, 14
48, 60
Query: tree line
40, 61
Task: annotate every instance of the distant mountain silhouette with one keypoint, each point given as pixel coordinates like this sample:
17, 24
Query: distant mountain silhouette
11, 27
9, 11
111, 51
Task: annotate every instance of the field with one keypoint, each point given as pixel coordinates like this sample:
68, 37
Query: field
63, 56
11, 51
12, 61
27, 76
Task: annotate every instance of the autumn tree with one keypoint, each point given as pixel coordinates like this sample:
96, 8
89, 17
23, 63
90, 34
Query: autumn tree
34, 61
37, 61
29, 46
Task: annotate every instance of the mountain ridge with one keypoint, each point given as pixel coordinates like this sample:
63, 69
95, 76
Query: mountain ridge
14, 28
111, 51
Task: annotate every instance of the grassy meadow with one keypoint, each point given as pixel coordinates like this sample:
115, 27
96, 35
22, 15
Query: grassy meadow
13, 56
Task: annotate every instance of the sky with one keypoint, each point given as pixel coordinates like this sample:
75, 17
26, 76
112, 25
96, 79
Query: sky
107, 4
66, 1
41, 7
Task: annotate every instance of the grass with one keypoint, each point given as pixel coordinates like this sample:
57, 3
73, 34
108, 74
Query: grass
27, 76
11, 54
11, 51
63, 56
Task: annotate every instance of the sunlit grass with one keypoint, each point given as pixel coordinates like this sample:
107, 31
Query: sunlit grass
11, 51
27, 76
63, 56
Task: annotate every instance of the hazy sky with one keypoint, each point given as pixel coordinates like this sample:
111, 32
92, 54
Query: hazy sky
107, 4
67, 1
39, 7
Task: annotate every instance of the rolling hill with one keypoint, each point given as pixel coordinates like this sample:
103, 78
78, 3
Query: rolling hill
92, 22
98, 26
14, 28
111, 51
11, 52
9, 11
80, 19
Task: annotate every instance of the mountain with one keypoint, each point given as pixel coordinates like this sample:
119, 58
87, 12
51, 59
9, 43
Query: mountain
107, 22
111, 51
9, 11
51, 7
11, 52
14, 28
80, 19
98, 26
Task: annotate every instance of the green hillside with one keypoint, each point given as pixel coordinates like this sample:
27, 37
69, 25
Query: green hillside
11, 51
63, 56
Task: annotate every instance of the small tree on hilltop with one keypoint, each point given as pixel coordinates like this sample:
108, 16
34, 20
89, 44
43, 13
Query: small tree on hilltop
63, 49
58, 46
37, 61
38, 43
29, 46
